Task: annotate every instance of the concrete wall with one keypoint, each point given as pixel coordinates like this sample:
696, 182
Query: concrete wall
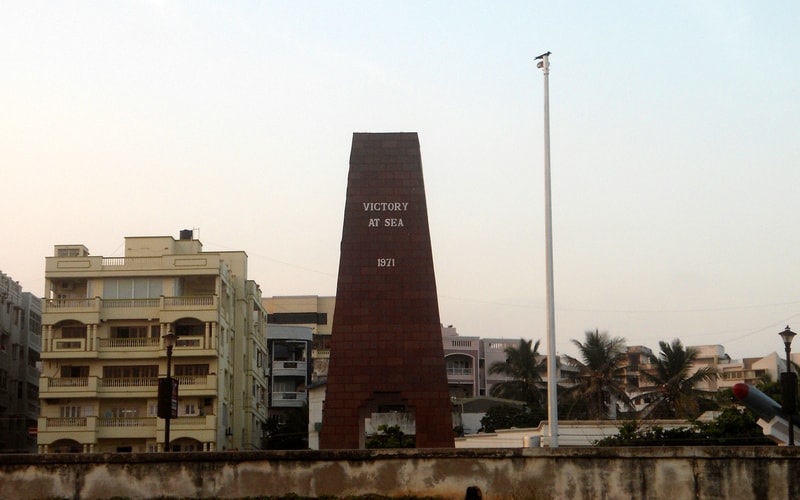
579, 473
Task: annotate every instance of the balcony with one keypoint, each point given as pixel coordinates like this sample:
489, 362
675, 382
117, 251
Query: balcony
288, 399
90, 387
66, 423
93, 310
146, 346
289, 368
67, 387
127, 427
460, 374
51, 429
197, 385
127, 344
69, 344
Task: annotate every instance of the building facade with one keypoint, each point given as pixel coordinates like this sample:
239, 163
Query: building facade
104, 319
464, 364
289, 367
20, 347
312, 311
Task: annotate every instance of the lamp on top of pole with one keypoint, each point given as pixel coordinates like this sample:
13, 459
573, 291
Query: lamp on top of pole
789, 382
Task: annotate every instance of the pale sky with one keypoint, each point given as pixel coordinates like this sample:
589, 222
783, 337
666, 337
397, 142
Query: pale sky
674, 145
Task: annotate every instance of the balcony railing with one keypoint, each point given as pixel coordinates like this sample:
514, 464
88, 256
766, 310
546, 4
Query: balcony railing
456, 371
289, 365
68, 382
127, 422
63, 304
460, 344
200, 301
96, 303
132, 262
129, 382
78, 422
184, 380
189, 420
288, 396
189, 342
66, 386
130, 343
68, 344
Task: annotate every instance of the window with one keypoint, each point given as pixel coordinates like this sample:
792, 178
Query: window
132, 288
35, 323
284, 385
70, 371
122, 412
68, 252
191, 370
73, 332
145, 371
458, 367
190, 329
69, 412
298, 318
289, 351
129, 332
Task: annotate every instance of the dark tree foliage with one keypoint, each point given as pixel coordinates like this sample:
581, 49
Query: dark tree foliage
508, 416
731, 428
390, 437
288, 431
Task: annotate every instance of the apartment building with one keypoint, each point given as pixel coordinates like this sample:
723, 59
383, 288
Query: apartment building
20, 345
104, 320
464, 364
289, 366
312, 311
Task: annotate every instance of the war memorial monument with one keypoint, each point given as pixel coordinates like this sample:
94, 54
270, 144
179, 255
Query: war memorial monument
386, 345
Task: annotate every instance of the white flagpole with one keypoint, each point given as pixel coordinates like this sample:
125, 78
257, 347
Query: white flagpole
552, 383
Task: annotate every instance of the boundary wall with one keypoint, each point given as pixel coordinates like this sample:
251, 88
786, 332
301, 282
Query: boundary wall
577, 473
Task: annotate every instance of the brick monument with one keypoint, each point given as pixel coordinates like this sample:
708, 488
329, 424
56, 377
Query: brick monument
386, 343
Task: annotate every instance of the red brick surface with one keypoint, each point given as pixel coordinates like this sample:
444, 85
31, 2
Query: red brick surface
386, 344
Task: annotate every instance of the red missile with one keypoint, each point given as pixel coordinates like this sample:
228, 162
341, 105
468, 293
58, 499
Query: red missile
756, 401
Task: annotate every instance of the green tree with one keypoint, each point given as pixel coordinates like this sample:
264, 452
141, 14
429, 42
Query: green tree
390, 437
598, 379
673, 388
523, 367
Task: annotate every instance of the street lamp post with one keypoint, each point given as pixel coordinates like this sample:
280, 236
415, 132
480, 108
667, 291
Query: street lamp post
170, 339
789, 383
552, 405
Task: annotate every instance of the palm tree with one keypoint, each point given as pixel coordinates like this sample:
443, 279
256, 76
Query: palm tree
598, 379
673, 386
523, 367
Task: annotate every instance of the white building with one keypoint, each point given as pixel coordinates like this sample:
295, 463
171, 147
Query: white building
104, 321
